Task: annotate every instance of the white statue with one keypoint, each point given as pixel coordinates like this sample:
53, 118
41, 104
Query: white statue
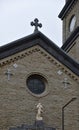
39, 111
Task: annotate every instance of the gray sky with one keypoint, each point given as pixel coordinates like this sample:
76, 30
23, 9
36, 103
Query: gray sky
16, 15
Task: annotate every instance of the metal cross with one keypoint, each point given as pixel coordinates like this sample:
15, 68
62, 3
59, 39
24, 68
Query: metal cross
8, 73
36, 24
65, 82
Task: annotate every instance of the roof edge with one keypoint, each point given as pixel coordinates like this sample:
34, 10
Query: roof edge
70, 39
45, 43
19, 41
65, 9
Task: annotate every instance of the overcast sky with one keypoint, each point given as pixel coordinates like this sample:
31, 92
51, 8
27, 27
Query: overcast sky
16, 15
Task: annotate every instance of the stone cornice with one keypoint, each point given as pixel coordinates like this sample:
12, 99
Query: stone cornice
66, 8
32, 50
70, 40
41, 40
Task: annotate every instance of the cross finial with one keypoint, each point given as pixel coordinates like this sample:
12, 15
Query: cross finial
36, 24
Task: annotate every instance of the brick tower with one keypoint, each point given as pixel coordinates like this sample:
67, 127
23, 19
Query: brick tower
70, 18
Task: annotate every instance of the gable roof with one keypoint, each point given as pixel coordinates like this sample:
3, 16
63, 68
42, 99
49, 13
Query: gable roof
70, 41
40, 39
66, 8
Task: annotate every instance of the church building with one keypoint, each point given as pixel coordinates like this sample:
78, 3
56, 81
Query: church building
39, 81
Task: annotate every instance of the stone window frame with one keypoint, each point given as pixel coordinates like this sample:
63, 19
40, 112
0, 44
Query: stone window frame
71, 18
44, 79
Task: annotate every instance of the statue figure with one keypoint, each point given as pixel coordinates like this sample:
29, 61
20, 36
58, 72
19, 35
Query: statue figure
39, 112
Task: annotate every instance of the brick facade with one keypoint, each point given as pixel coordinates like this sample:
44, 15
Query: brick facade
74, 50
72, 11
18, 104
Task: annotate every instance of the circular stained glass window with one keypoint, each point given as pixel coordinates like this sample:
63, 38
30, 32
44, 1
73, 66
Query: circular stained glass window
36, 84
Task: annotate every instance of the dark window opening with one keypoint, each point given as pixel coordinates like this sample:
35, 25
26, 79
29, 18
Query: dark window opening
36, 84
